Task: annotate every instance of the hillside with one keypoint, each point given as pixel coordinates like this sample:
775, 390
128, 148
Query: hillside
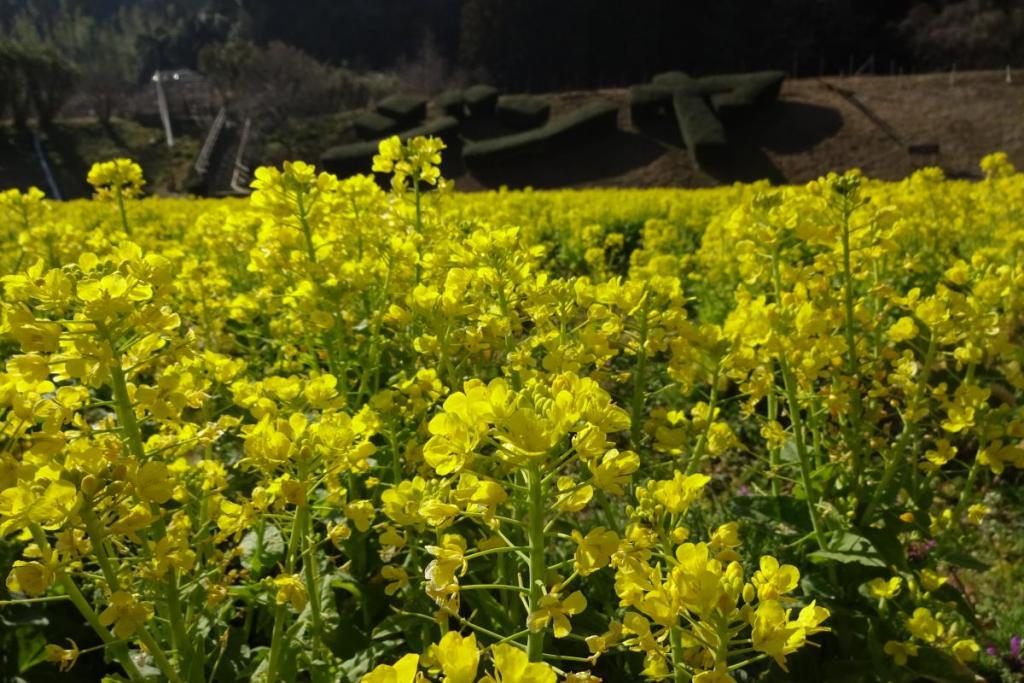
818, 125
72, 146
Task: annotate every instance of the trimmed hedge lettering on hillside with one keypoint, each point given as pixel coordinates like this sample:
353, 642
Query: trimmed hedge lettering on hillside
589, 122
481, 100
406, 109
452, 103
702, 131
371, 125
522, 112
358, 157
702, 106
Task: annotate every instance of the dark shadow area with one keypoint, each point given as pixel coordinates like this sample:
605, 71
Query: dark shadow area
787, 127
663, 128
963, 174
746, 162
477, 128
69, 168
603, 157
113, 133
18, 165
452, 165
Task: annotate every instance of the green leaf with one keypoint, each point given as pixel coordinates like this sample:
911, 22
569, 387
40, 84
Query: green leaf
788, 452
950, 594
888, 544
771, 510
850, 549
366, 658
826, 472
262, 548
31, 649
936, 666
963, 560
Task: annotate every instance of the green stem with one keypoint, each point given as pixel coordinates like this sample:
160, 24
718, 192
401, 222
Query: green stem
898, 459
796, 420
495, 551
117, 648
968, 491
132, 436
276, 642
123, 406
680, 673
801, 449
185, 655
639, 383
419, 210
493, 587
332, 340
535, 640
698, 451
32, 601
396, 457
773, 453
309, 572
419, 227
852, 368
121, 209
281, 610
98, 538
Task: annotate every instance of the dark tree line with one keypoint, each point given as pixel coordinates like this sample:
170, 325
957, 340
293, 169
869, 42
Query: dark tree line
522, 44
549, 44
34, 81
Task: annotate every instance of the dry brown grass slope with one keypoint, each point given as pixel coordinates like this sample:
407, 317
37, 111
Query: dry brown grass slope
818, 125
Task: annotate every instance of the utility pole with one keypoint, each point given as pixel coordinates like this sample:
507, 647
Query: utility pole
165, 114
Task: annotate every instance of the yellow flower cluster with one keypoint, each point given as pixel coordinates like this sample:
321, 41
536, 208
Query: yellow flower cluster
118, 176
414, 435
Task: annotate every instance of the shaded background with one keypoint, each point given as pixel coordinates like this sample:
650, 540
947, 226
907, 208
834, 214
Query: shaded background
543, 44
76, 81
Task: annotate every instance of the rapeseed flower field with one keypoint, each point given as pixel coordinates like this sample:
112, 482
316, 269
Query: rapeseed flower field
340, 433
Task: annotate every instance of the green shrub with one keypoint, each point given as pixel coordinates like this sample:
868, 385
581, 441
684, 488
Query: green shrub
371, 125
586, 123
522, 112
747, 89
481, 100
452, 103
759, 87
34, 79
346, 160
672, 79
406, 109
737, 94
702, 131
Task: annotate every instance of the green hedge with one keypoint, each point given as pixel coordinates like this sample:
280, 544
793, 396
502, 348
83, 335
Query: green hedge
481, 100
702, 131
762, 87
672, 79
586, 123
346, 160
452, 103
371, 125
738, 94
701, 105
522, 112
406, 109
